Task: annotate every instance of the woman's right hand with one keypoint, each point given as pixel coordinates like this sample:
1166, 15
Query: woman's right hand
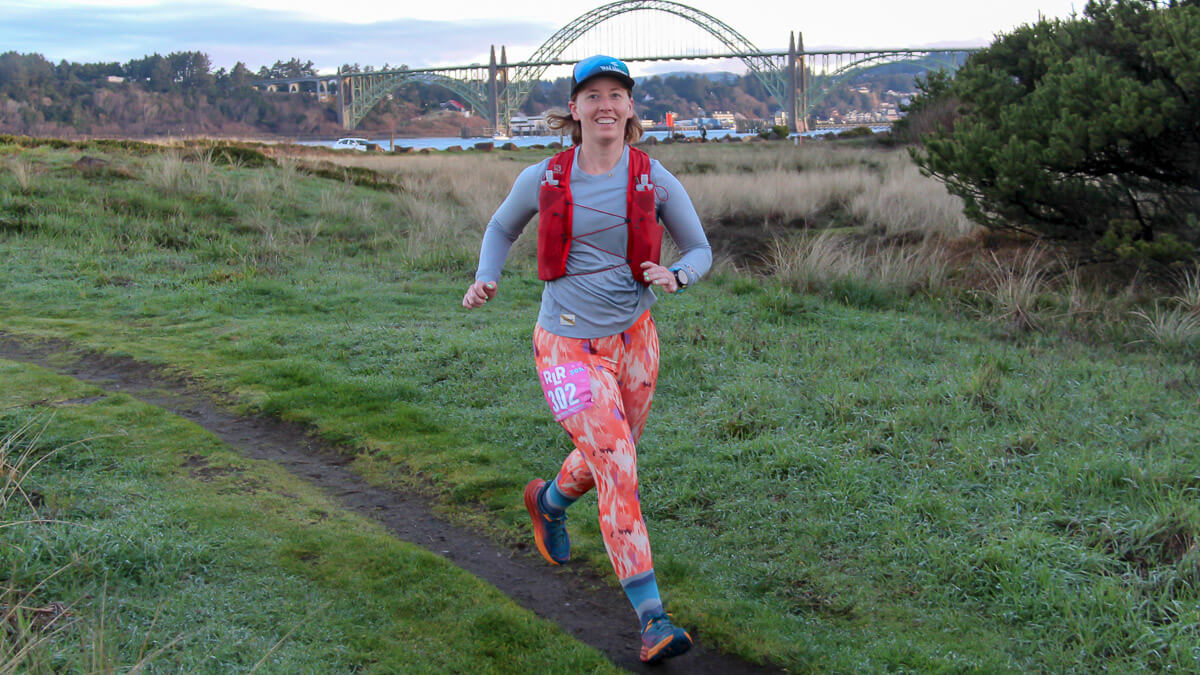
479, 293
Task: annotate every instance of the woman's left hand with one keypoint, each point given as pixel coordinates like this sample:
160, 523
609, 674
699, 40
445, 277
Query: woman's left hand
660, 276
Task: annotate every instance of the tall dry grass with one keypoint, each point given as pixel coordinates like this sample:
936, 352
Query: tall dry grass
1175, 328
733, 158
21, 170
170, 171
815, 186
1015, 286
774, 196
905, 201
446, 200
813, 263
444, 203
1188, 296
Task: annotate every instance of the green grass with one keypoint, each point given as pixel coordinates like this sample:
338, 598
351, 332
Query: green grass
854, 481
173, 552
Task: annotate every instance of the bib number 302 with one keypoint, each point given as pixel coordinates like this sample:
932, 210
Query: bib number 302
568, 388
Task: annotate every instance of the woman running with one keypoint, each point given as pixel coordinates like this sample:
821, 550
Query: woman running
595, 344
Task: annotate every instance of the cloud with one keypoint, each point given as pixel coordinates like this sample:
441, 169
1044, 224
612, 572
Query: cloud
255, 36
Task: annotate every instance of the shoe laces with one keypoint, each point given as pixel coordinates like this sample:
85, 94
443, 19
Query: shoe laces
656, 622
561, 518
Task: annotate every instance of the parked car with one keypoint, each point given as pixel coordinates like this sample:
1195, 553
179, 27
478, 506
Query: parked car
351, 144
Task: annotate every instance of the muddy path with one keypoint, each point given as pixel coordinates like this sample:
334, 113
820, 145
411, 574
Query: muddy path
576, 599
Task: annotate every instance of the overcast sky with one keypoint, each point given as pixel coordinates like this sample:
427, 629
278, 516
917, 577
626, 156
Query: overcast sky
421, 33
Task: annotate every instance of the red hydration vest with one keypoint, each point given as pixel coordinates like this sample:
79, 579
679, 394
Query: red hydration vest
554, 217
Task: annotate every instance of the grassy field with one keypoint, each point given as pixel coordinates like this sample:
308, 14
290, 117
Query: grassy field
843, 471
169, 553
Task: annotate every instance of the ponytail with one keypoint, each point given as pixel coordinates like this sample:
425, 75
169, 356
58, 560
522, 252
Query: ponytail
559, 119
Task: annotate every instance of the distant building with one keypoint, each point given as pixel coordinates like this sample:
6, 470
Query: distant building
115, 79
725, 119
453, 106
532, 125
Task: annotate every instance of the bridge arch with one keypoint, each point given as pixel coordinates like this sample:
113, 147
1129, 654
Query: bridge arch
367, 91
521, 83
822, 84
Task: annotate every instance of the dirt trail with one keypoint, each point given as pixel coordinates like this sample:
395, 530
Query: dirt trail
577, 600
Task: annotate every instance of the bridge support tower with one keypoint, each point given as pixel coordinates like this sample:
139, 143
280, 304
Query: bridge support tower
342, 83
797, 84
493, 93
497, 84
802, 121
793, 93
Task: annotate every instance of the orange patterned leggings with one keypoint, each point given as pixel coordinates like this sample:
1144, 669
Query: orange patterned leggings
623, 370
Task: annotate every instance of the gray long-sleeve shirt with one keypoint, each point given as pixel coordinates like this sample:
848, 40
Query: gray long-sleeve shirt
599, 296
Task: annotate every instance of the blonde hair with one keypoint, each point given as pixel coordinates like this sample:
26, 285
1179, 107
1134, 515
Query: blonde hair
557, 119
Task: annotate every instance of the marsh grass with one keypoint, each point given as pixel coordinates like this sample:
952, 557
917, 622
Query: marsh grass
1015, 289
286, 176
1188, 296
905, 202
1175, 328
444, 205
814, 187
821, 262
257, 190
167, 172
21, 171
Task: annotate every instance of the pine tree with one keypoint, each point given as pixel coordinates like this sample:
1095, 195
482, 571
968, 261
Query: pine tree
1084, 129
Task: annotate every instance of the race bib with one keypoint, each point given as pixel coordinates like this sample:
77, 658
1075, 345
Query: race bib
568, 388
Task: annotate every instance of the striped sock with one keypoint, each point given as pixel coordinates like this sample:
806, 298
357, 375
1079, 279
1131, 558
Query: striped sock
553, 501
642, 590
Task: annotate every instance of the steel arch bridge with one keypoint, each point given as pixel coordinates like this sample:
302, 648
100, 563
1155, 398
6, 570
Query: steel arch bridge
839, 70
526, 75
364, 91
797, 79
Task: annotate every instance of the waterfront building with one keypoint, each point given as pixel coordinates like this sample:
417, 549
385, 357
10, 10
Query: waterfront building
528, 125
725, 119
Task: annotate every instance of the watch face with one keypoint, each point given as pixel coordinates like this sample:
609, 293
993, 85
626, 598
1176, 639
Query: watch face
681, 277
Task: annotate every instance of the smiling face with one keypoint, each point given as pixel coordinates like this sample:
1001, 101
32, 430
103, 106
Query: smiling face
602, 106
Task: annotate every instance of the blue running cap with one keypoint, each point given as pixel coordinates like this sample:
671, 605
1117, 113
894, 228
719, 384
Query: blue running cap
594, 66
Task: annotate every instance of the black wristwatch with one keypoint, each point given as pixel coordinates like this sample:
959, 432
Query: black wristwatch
681, 278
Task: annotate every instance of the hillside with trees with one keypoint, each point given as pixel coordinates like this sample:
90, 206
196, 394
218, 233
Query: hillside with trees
173, 94
181, 94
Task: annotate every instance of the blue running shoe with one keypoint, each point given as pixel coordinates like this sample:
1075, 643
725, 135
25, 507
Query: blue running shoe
549, 532
662, 639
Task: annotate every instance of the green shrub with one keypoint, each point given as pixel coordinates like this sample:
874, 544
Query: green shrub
1084, 129
856, 132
